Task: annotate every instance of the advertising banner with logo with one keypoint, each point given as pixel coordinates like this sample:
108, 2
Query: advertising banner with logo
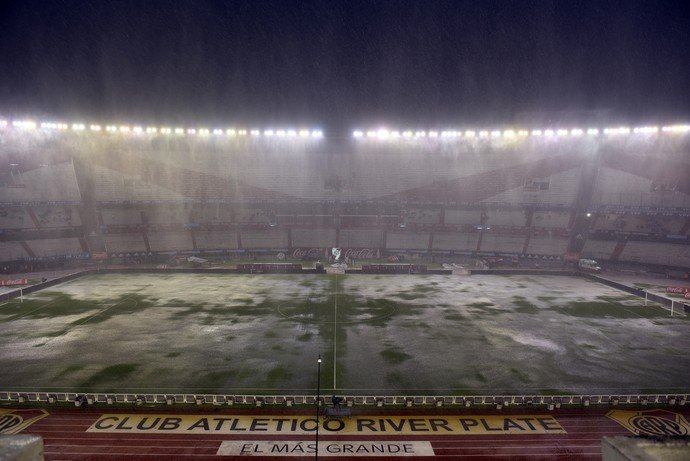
678, 290
310, 253
11, 282
361, 253
652, 423
323, 253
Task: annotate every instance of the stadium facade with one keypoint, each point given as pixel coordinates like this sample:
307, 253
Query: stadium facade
83, 192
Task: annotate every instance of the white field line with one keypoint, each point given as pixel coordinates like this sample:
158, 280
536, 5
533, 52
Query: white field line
107, 307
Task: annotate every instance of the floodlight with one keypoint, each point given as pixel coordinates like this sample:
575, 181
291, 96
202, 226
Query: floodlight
495, 134
523, 133
291, 133
231, 132
646, 129
138, 129
255, 133
124, 129
420, 134
371, 134
469, 134
317, 134
179, 130
305, 133
191, 131
395, 134
24, 124
218, 132
407, 134
204, 131
355, 134
483, 134
433, 134
242, 132
548, 133
615, 131
592, 131
95, 128
561, 132
676, 129
508, 133
382, 134
78, 127
151, 130
576, 132
268, 133
536, 133
3, 123
166, 130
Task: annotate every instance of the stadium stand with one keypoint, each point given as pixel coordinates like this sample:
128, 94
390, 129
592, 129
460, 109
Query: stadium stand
361, 238
15, 218
615, 187
211, 214
513, 218
614, 200
215, 240
599, 249
55, 247
674, 225
251, 216
56, 216
270, 238
407, 240
121, 216
10, 251
453, 241
554, 245
323, 238
422, 216
502, 243
170, 241
551, 219
623, 223
466, 217
124, 243
55, 183
657, 253
167, 214
557, 189
114, 187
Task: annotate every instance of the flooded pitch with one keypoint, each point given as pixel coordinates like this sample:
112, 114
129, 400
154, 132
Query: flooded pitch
393, 334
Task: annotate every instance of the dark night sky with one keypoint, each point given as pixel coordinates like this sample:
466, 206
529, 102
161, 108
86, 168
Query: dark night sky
343, 64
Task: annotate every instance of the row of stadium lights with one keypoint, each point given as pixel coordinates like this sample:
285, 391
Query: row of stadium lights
381, 134
384, 134
126, 129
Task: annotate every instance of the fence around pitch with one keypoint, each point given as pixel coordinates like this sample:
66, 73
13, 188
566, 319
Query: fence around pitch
550, 401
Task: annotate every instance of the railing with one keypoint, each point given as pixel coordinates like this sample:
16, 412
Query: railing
498, 401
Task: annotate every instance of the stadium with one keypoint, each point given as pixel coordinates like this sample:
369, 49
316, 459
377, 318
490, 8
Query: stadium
491, 267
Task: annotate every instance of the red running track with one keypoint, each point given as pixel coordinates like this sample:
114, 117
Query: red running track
65, 436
